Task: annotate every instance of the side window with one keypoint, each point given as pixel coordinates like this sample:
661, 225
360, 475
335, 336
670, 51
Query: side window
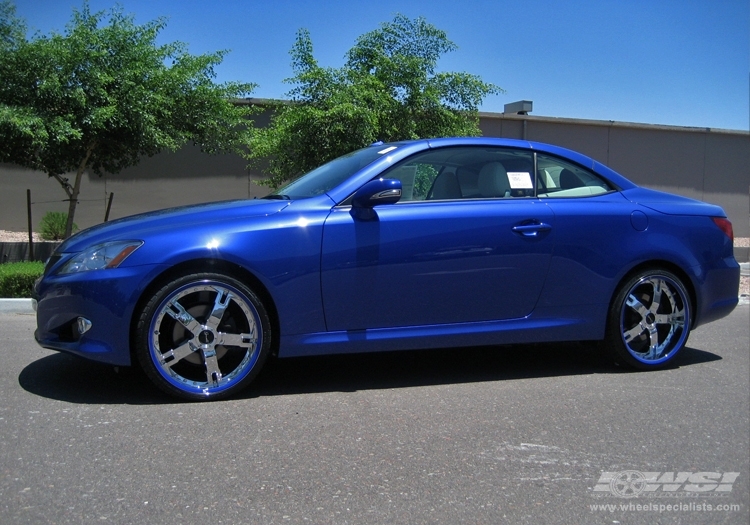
465, 173
559, 178
417, 177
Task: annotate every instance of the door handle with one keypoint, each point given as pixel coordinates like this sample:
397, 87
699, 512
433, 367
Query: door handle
532, 229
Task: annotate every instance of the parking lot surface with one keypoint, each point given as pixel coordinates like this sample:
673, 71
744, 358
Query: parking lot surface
517, 434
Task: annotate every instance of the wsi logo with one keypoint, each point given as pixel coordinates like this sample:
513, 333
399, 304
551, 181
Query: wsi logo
633, 483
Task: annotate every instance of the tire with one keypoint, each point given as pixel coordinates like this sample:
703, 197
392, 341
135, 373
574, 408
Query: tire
649, 321
203, 337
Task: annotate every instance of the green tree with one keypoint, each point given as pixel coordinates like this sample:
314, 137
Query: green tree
104, 94
12, 28
388, 89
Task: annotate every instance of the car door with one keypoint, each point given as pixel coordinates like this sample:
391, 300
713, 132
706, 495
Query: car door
595, 229
479, 255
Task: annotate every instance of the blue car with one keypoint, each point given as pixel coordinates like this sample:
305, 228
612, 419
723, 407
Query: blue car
435, 243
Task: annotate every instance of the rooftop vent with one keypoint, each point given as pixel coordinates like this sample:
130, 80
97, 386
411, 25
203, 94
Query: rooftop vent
522, 107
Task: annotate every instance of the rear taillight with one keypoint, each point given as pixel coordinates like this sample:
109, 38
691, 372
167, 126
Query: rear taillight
725, 225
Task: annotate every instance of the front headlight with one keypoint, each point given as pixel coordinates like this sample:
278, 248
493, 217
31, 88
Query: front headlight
101, 256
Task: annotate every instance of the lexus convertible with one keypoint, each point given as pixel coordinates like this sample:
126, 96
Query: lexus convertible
431, 243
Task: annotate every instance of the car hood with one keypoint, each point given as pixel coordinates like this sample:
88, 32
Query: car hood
136, 226
672, 204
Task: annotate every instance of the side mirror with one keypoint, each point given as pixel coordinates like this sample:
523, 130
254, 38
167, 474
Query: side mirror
375, 192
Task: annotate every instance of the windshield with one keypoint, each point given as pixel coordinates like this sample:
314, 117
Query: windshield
331, 174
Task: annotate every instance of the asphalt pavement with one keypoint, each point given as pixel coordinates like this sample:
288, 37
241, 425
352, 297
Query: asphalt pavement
516, 434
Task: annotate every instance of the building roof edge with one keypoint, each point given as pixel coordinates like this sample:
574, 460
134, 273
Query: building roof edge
610, 123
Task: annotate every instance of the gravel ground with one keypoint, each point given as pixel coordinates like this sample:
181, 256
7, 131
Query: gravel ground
7, 236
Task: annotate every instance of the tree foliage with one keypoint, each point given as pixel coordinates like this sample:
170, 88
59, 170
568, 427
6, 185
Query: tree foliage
12, 28
388, 89
104, 94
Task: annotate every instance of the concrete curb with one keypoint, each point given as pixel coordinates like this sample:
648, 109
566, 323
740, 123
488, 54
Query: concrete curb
16, 306
23, 306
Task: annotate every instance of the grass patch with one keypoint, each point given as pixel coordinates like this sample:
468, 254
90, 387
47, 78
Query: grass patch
17, 279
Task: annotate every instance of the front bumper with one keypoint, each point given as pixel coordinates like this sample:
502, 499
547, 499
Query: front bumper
104, 298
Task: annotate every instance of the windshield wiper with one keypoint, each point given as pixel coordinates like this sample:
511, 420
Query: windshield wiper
278, 197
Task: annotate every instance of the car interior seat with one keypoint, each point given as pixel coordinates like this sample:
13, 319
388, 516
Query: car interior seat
493, 180
446, 186
569, 180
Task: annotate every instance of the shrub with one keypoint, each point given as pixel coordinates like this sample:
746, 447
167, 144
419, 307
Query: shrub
17, 279
52, 227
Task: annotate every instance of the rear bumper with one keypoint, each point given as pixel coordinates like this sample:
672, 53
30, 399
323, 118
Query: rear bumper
719, 292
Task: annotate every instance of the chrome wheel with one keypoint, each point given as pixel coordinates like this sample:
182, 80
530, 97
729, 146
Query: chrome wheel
204, 337
651, 318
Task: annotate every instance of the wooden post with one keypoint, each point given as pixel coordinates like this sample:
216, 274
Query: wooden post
109, 205
31, 235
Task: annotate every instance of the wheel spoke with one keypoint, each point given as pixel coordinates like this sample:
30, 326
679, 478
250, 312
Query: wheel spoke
629, 335
213, 373
675, 319
179, 314
223, 297
633, 302
654, 348
656, 299
174, 356
240, 340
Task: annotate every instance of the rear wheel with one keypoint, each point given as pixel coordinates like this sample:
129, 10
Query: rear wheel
203, 336
649, 321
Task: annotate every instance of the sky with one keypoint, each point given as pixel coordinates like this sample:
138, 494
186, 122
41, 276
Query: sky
670, 62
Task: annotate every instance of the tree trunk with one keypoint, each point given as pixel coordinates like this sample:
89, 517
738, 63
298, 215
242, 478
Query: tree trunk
72, 203
75, 190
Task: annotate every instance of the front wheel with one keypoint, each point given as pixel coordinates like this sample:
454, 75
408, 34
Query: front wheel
649, 321
203, 337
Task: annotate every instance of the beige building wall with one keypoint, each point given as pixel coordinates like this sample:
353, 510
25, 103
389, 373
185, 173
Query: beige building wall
165, 180
706, 164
